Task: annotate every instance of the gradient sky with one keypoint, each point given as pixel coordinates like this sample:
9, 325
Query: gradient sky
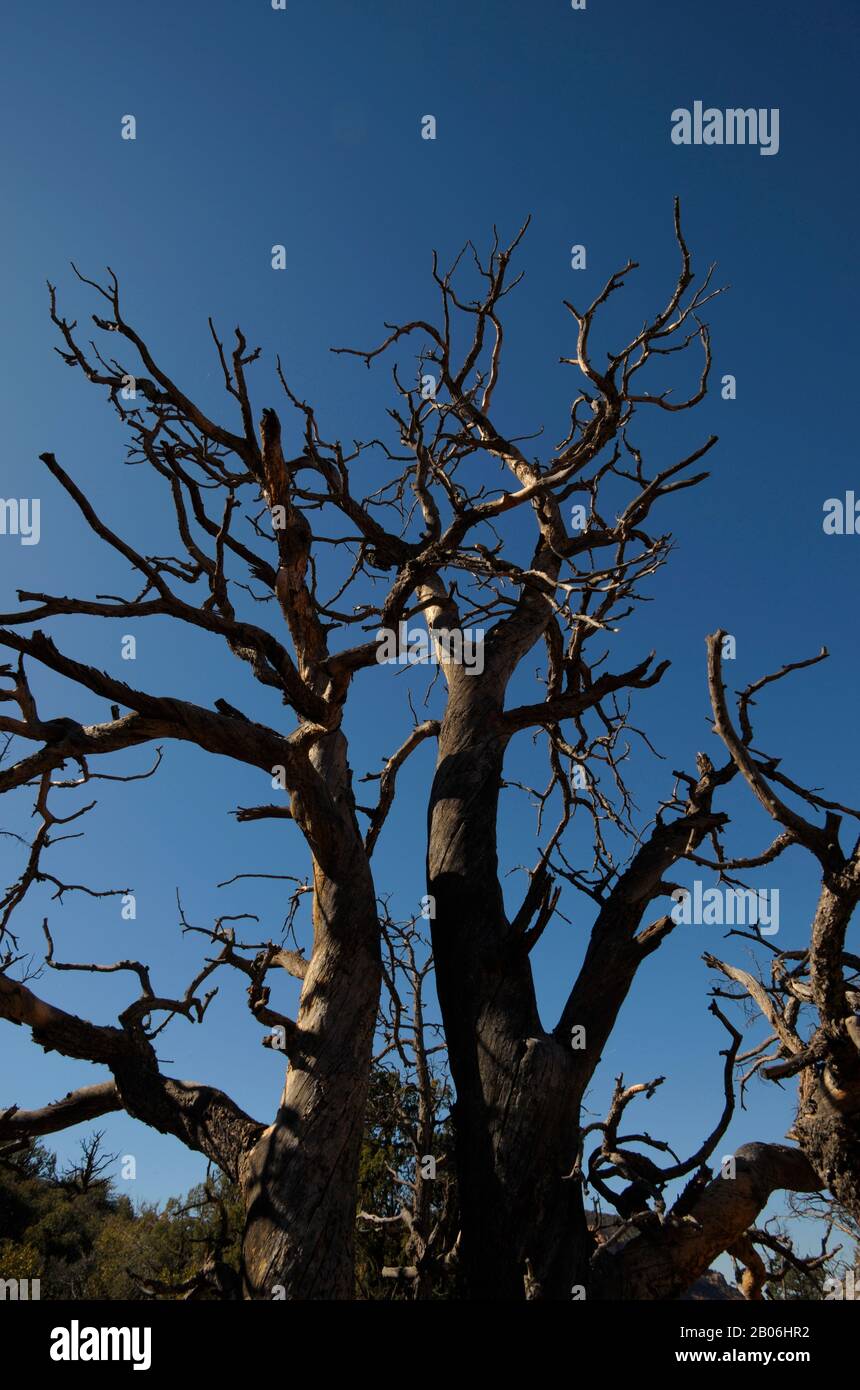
257, 127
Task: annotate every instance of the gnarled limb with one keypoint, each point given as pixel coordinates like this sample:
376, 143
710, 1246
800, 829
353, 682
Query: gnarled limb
662, 1260
87, 1103
827, 1059
203, 1117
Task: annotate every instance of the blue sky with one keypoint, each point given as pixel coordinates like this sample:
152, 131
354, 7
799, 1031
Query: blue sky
301, 128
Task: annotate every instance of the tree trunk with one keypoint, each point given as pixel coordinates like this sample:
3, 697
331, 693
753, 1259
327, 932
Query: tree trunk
300, 1180
827, 1127
661, 1260
519, 1087
516, 1111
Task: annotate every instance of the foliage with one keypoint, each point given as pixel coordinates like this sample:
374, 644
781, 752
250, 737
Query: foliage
85, 1240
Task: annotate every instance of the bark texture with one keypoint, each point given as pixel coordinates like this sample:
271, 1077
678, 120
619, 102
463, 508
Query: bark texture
300, 1179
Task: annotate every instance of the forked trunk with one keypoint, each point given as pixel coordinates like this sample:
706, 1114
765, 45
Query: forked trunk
516, 1110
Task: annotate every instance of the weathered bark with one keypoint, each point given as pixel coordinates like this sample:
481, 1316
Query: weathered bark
516, 1108
520, 1087
300, 1180
662, 1261
827, 1125
298, 1176
87, 1103
202, 1117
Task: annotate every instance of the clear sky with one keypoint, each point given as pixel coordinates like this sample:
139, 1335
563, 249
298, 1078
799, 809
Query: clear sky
258, 127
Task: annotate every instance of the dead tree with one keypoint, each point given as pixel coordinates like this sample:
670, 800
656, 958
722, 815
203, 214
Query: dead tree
519, 1083
461, 525
651, 1252
811, 1002
297, 1173
655, 1248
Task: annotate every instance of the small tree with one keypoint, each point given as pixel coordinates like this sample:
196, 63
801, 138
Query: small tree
408, 1207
